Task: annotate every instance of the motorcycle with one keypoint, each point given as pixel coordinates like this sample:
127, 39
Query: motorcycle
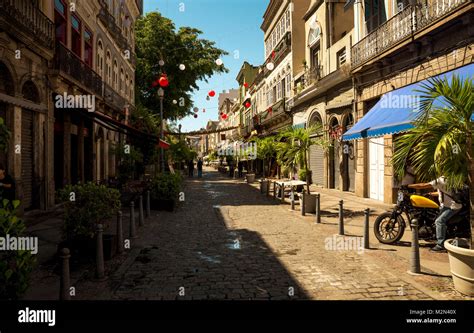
389, 227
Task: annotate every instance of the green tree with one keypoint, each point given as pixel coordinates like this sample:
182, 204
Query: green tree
441, 142
294, 145
157, 39
266, 151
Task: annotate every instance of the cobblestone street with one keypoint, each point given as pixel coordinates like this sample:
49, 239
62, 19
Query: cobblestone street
228, 241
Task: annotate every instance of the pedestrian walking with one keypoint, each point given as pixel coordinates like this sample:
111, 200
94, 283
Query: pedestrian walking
191, 168
199, 167
7, 187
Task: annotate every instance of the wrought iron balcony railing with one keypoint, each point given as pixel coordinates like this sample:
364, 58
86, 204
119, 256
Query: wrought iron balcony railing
113, 98
69, 63
108, 20
26, 15
411, 19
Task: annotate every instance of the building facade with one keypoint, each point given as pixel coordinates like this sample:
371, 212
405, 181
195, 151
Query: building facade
323, 92
67, 86
397, 44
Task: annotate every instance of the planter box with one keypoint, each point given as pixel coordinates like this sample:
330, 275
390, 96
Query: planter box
461, 262
250, 178
163, 204
309, 203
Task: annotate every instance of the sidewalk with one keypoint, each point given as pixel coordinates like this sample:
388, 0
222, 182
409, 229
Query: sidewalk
436, 264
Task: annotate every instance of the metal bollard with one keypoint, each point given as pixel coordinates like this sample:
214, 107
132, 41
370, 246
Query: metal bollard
341, 217
119, 232
100, 273
141, 220
65, 282
415, 248
292, 199
148, 213
366, 229
318, 208
303, 203
133, 231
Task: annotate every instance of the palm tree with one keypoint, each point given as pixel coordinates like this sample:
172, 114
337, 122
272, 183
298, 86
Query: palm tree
294, 147
441, 143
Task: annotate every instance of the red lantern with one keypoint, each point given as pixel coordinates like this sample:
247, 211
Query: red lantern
247, 104
273, 54
212, 93
246, 85
163, 81
224, 116
195, 115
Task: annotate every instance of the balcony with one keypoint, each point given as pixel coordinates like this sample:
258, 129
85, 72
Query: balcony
108, 20
410, 20
70, 64
309, 78
114, 99
23, 14
281, 51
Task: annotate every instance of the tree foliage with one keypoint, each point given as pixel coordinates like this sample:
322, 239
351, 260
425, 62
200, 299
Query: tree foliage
157, 39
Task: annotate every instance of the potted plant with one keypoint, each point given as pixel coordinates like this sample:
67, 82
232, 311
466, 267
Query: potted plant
86, 206
15, 266
436, 149
165, 189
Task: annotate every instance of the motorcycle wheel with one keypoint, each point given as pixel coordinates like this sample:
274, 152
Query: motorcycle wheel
388, 231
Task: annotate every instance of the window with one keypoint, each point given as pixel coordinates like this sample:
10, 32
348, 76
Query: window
288, 19
76, 35
121, 83
60, 21
115, 75
108, 68
274, 94
288, 84
314, 35
88, 40
283, 88
100, 59
278, 32
341, 57
126, 85
132, 97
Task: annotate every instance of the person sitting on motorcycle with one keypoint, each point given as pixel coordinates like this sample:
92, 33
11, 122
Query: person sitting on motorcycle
448, 208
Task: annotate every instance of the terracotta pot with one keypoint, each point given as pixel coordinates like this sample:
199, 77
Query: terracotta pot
461, 262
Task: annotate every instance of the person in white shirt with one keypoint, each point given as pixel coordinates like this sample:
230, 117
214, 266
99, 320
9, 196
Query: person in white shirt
448, 207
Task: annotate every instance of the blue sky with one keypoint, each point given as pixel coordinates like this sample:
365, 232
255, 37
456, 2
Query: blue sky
233, 25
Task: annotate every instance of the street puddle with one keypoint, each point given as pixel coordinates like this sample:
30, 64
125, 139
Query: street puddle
211, 259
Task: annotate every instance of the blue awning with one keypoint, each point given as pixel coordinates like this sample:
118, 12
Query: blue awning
396, 110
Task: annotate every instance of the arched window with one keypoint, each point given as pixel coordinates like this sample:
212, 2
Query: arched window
108, 68
115, 75
30, 92
100, 58
314, 34
122, 78
126, 86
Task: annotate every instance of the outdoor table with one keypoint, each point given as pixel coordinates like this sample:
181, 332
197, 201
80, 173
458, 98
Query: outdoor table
288, 183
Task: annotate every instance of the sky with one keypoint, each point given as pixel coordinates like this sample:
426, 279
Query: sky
234, 25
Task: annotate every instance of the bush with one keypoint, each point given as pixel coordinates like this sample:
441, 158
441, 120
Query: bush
15, 266
166, 186
87, 205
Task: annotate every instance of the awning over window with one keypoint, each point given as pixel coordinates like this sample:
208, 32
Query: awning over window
396, 110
